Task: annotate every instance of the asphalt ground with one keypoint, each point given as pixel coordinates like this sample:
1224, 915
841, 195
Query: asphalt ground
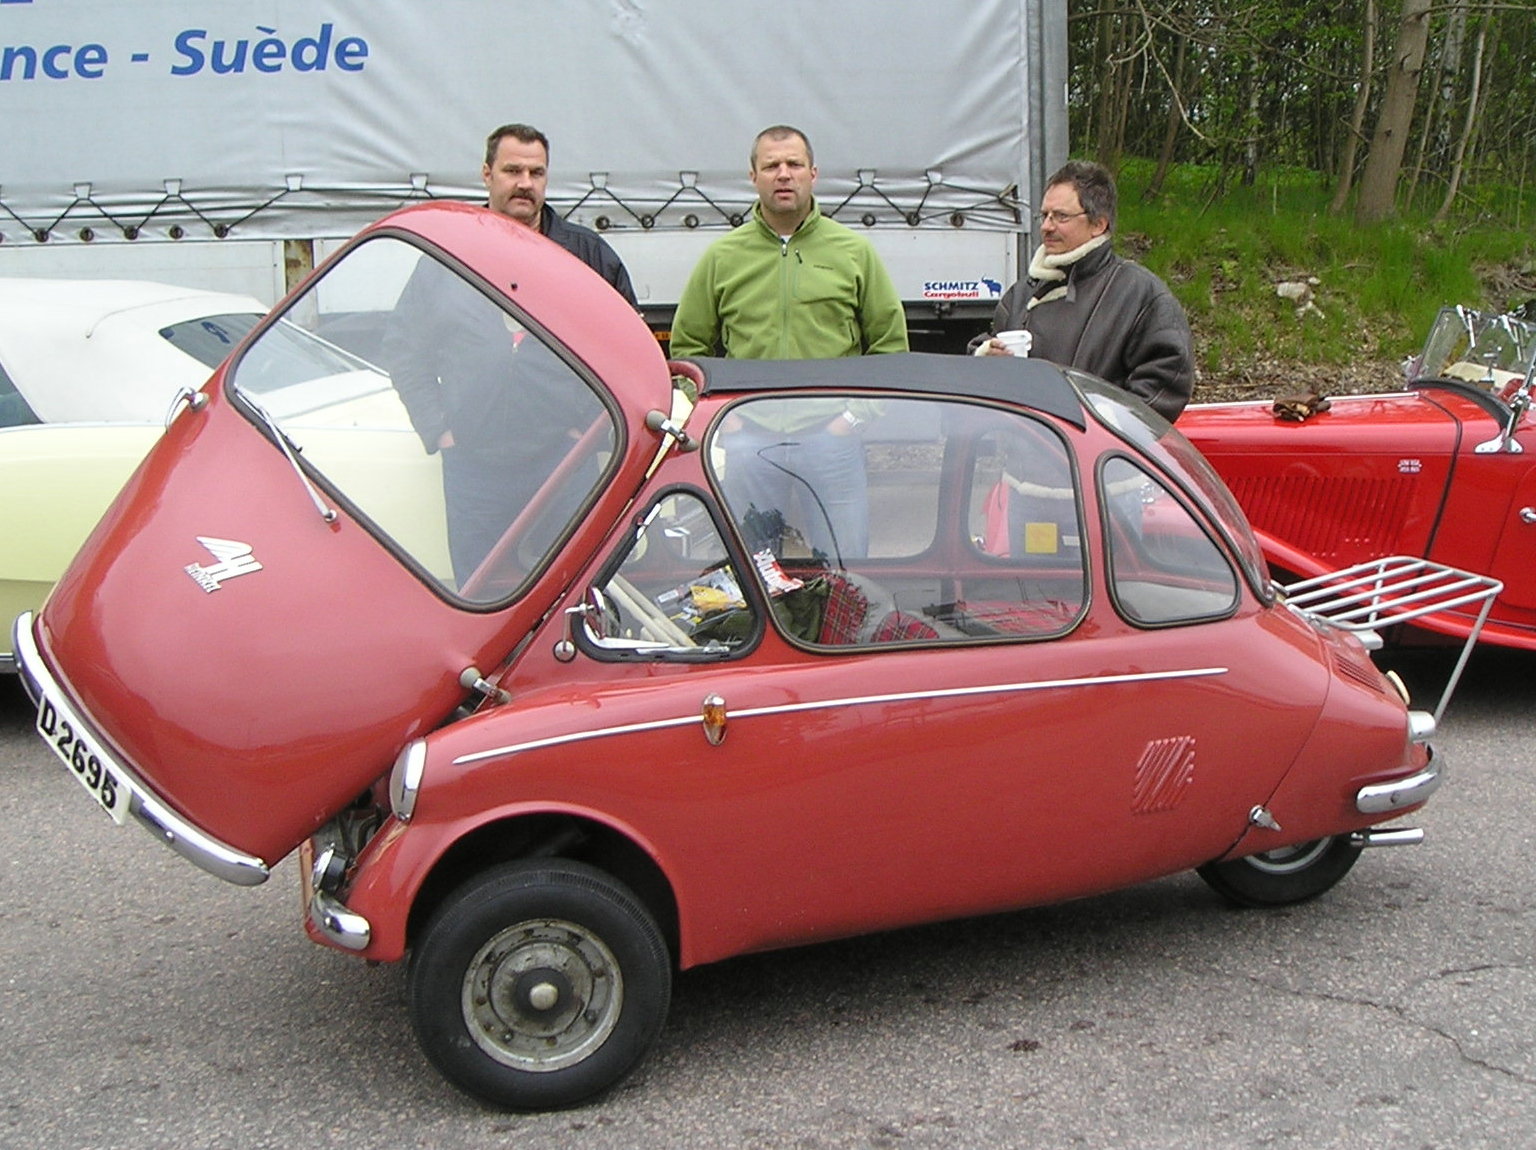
146, 1004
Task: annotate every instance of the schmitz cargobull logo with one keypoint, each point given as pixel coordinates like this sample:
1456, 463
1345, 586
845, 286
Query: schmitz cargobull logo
982, 288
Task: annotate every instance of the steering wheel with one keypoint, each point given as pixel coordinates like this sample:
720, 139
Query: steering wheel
654, 623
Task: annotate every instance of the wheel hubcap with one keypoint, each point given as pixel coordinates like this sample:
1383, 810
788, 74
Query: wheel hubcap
542, 995
1289, 860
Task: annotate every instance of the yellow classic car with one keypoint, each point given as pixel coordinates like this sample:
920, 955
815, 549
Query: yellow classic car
89, 370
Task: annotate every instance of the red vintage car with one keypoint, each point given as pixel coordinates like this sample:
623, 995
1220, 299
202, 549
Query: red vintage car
753, 654
1445, 469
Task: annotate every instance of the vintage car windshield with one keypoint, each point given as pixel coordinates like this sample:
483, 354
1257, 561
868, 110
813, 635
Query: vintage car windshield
1149, 432
1494, 352
461, 436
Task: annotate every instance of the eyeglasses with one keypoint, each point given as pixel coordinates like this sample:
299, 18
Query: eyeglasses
1058, 217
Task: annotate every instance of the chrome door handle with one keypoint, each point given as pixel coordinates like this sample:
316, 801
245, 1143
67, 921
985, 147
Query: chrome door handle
1528, 515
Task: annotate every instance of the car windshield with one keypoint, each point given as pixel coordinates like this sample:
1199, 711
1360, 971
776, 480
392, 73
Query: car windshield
1149, 432
1488, 351
457, 432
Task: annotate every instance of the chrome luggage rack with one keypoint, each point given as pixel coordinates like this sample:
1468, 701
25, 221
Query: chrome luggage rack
1398, 589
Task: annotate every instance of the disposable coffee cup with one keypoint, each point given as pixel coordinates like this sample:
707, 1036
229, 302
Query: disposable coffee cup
1017, 342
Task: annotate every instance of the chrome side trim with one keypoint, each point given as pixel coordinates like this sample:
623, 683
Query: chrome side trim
330, 916
831, 704
1382, 798
144, 805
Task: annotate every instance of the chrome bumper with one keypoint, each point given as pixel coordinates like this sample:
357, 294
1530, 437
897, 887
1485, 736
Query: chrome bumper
320, 871
331, 918
1384, 798
144, 807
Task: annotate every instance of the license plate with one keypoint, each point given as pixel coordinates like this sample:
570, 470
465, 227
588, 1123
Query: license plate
61, 731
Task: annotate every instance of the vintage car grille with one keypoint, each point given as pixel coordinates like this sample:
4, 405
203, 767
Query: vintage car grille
1332, 519
1359, 670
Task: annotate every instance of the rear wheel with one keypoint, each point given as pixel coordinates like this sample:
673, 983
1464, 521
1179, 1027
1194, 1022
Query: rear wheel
1283, 876
539, 985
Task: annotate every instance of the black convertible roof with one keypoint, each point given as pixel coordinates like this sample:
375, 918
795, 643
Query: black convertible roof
1031, 383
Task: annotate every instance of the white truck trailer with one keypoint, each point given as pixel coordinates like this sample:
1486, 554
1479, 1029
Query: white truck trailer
231, 144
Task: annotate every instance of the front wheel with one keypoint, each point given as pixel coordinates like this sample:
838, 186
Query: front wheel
539, 985
1281, 877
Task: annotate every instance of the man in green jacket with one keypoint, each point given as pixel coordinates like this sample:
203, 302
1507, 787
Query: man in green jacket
792, 284
789, 283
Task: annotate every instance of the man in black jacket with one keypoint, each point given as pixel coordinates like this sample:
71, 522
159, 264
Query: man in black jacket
501, 409
1088, 308
516, 175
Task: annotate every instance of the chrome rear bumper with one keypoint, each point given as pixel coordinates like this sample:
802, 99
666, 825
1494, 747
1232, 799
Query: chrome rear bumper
1384, 798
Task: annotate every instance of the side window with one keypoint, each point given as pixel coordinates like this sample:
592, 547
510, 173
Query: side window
1025, 516
465, 440
867, 519
831, 480
675, 592
1163, 567
1027, 510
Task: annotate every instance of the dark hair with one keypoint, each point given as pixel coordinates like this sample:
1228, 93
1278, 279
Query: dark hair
524, 132
1094, 186
780, 132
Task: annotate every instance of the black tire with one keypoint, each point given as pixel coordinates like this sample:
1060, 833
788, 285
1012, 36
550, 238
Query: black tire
1284, 876
539, 985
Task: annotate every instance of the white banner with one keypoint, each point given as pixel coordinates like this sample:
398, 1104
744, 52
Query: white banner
269, 119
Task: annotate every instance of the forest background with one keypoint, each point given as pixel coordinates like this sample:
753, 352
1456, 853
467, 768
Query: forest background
1314, 178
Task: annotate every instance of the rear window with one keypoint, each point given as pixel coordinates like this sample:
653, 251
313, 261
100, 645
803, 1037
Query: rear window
1150, 433
14, 410
209, 340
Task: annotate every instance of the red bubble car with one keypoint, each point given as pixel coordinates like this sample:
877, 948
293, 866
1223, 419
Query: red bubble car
1444, 469
563, 668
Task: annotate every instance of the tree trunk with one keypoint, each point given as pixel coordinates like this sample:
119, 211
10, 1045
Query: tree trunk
1384, 162
1175, 118
1357, 116
1112, 93
1474, 98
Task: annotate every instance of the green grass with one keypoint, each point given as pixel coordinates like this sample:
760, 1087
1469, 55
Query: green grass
1224, 250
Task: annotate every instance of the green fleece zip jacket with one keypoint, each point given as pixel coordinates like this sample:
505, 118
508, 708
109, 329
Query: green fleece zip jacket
821, 293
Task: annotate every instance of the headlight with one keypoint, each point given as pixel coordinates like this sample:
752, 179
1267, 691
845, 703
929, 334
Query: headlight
405, 779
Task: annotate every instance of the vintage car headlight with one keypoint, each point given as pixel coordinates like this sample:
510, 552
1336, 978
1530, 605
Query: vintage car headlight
405, 779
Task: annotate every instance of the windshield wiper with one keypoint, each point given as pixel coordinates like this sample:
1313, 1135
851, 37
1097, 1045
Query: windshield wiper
289, 451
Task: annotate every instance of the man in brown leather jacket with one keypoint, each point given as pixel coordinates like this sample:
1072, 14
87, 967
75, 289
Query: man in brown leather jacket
1088, 308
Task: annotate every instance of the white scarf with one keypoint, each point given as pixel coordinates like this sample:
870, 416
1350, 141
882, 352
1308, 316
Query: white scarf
1047, 268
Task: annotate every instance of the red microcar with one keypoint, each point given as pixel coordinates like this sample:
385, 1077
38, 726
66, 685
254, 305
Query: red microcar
1444, 469
564, 668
